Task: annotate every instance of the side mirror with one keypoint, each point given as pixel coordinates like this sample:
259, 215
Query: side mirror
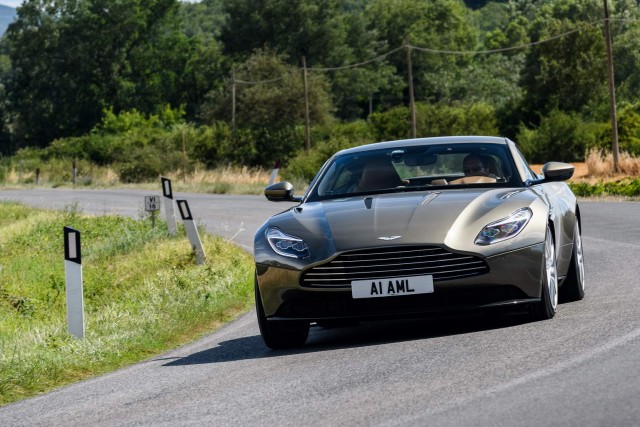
557, 171
281, 192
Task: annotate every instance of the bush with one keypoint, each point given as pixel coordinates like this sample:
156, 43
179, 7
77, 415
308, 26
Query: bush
148, 163
210, 145
627, 187
629, 129
304, 166
435, 120
562, 137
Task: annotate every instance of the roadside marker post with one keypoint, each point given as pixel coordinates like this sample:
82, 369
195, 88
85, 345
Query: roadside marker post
152, 204
192, 230
274, 173
73, 277
168, 205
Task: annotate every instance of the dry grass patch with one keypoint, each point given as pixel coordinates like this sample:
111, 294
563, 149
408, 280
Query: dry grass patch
598, 166
601, 165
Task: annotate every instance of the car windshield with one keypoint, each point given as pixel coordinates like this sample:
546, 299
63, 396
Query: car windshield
415, 168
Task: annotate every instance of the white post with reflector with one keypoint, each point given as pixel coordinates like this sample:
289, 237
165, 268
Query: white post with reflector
168, 205
192, 230
274, 173
73, 276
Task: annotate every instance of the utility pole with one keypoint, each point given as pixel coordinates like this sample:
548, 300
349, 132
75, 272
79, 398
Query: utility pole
184, 152
612, 91
307, 131
233, 101
412, 104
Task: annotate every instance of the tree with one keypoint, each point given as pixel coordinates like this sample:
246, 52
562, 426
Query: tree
441, 25
270, 109
354, 88
72, 59
626, 36
292, 28
327, 33
568, 73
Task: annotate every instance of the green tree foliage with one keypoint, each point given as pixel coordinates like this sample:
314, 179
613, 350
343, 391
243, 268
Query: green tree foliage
561, 136
435, 120
305, 165
139, 146
570, 73
73, 59
293, 28
441, 25
270, 114
354, 88
66, 65
629, 128
626, 36
204, 17
328, 34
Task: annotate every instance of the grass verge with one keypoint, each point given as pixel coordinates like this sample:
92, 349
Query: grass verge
143, 295
626, 187
222, 180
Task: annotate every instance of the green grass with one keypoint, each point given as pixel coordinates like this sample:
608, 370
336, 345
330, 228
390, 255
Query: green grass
143, 295
627, 187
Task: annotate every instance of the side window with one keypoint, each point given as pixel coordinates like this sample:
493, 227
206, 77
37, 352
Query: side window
325, 185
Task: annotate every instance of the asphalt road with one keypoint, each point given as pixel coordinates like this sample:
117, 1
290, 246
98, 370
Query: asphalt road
580, 368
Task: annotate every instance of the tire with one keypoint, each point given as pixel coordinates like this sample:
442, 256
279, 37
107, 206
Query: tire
573, 287
546, 308
278, 334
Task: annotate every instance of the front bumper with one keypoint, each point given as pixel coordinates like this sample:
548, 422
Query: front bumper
513, 278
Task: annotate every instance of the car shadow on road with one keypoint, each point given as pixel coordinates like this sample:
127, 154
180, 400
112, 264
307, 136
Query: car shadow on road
360, 335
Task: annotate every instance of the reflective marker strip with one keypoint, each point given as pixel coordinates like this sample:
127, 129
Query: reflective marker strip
166, 188
72, 250
185, 212
71, 237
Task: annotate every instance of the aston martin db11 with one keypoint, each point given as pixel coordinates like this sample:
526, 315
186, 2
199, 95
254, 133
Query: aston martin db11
413, 227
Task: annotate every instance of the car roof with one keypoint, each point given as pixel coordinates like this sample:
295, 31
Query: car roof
427, 141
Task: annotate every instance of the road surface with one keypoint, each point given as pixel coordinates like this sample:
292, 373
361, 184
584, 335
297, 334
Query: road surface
580, 368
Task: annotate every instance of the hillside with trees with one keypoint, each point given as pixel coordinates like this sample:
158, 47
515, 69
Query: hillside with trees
250, 82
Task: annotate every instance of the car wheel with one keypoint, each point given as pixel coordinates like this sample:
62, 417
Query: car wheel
573, 287
279, 333
546, 308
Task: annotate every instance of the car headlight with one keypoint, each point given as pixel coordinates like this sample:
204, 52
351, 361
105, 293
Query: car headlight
286, 245
505, 228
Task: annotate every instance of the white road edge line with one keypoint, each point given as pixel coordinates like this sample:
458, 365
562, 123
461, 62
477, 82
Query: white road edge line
525, 378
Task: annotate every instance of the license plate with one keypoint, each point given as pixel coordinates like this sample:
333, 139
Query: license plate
392, 287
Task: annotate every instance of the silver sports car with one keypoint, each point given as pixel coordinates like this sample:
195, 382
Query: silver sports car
419, 226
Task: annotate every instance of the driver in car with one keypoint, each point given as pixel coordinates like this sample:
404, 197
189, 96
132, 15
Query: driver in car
474, 165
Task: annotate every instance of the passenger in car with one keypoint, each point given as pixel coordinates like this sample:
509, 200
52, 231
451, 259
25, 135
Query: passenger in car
378, 174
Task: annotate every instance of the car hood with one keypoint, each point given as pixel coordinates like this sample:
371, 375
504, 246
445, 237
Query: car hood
451, 218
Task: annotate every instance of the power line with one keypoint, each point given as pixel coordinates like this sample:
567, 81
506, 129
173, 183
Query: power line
504, 49
443, 51
359, 64
249, 82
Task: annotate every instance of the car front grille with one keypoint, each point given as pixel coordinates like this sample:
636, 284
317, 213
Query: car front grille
395, 261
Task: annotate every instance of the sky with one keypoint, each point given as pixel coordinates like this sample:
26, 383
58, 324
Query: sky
16, 3
11, 3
